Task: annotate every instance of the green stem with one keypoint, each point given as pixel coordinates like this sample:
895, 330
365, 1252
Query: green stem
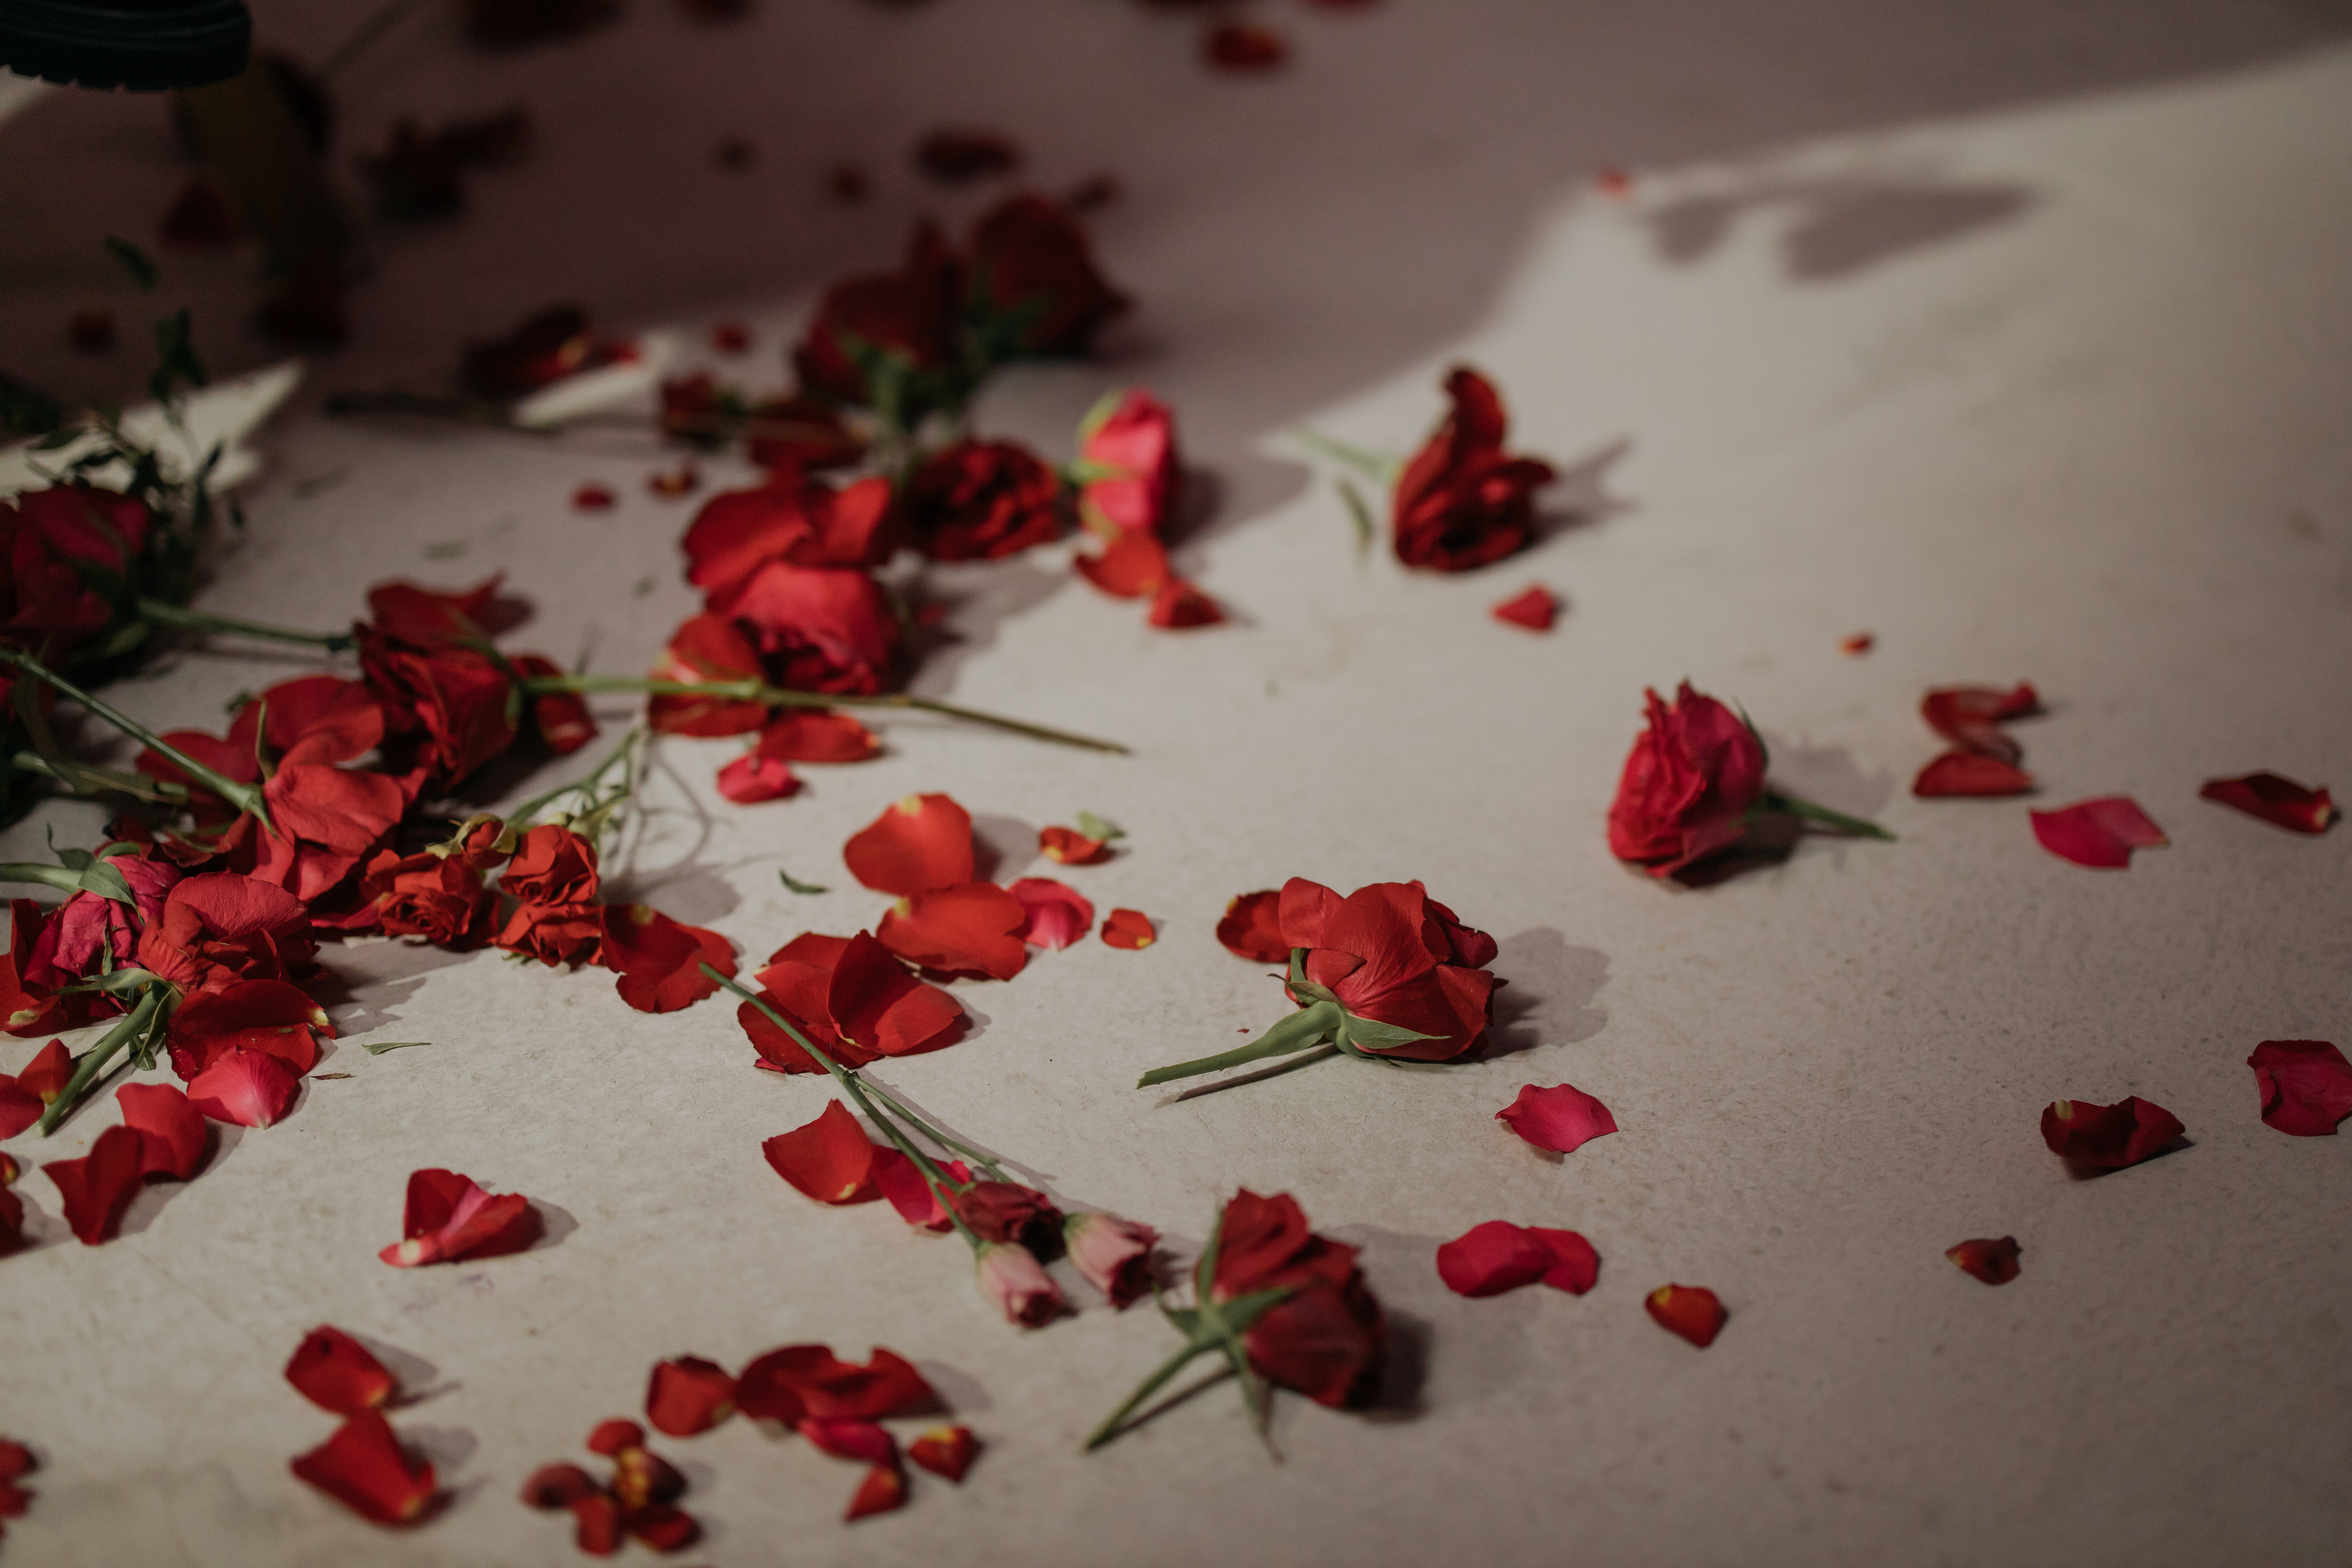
1150, 1386
1300, 1030
65, 879
1370, 465
1308, 1058
985, 1162
86, 1070
189, 620
933, 1178
138, 786
1806, 810
245, 798
754, 691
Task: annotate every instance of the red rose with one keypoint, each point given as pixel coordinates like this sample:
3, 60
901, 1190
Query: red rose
821, 629
557, 935
552, 864
220, 927
46, 537
1004, 1212
791, 518
979, 500
561, 718
1391, 954
1324, 1341
1031, 280
1688, 785
450, 704
1126, 455
902, 319
707, 649
429, 895
1461, 502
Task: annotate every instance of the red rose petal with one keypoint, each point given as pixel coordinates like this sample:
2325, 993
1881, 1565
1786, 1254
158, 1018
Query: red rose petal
1970, 717
1244, 47
2306, 1084
338, 1374
19, 1107
663, 1527
751, 778
1179, 607
615, 1435
363, 1468
921, 843
688, 1395
945, 1452
99, 1186
594, 498
1856, 646
1575, 1266
973, 929
854, 1438
558, 1486
265, 1016
883, 1490
448, 1217
2282, 803
817, 735
1251, 928
1964, 772
1690, 1311
171, 1131
1536, 610
1492, 1258
246, 1088
1054, 914
660, 959
1993, 1260
1133, 565
2109, 1136
46, 1076
597, 1525
830, 1159
799, 1380
1562, 1118
1128, 928
2100, 833
1068, 846
901, 1181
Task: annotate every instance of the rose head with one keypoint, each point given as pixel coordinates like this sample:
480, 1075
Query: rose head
1031, 283
1324, 1339
46, 538
1006, 1211
440, 899
818, 628
1687, 786
1460, 502
1393, 957
981, 500
1127, 449
899, 323
552, 864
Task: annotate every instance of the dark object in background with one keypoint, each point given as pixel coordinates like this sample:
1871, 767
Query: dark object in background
517, 24
146, 46
305, 309
93, 331
957, 157
550, 345
846, 183
303, 92
418, 175
734, 153
201, 218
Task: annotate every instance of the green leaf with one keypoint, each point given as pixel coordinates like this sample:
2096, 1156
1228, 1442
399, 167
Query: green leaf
792, 886
1370, 1034
105, 879
378, 1047
134, 261
1094, 828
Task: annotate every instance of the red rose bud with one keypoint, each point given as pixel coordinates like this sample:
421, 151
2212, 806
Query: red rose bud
1966, 772
1126, 456
1113, 1255
363, 1468
2100, 833
557, 935
1460, 503
2305, 1085
921, 843
1562, 1118
1687, 786
451, 1218
945, 1452
2108, 1137
1251, 928
1006, 1211
2282, 803
982, 501
1690, 1311
338, 1374
1991, 1259
688, 1395
1011, 1276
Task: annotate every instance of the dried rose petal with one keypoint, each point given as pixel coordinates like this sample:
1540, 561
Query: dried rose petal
921, 843
1128, 928
2109, 1136
338, 1374
1054, 914
246, 1088
171, 1130
1536, 610
2282, 803
1178, 606
751, 778
363, 1468
1068, 846
1963, 772
450, 1217
1492, 1258
1993, 1260
1562, 1118
972, 928
97, 1187
1690, 1311
830, 1159
1251, 928
883, 1490
945, 1452
688, 1395
2100, 833
2306, 1084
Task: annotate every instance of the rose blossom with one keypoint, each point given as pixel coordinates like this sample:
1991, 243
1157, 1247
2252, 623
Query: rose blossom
1687, 786
1011, 1276
1113, 1254
1460, 502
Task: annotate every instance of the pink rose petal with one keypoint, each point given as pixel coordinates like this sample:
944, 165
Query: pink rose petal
1562, 1118
1054, 914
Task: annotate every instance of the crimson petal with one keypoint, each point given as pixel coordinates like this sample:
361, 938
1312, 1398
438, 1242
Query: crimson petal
1490, 1258
363, 1468
171, 1130
688, 1395
246, 1088
1562, 1118
2108, 1137
830, 1159
1690, 1311
2306, 1084
1990, 1259
1251, 928
97, 1187
945, 1452
921, 843
2281, 803
338, 1374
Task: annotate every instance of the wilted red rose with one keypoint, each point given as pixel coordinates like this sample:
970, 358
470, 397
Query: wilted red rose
1461, 502
450, 706
886, 334
557, 935
1325, 1340
1128, 470
2305, 1085
220, 927
1031, 279
2282, 803
1114, 1256
1688, 784
851, 998
50, 537
819, 629
981, 500
552, 864
2108, 1137
438, 897
1391, 954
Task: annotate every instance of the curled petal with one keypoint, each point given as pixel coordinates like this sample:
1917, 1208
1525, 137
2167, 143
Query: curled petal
450, 1217
1993, 1260
1536, 610
945, 1452
246, 1088
883, 1490
97, 1188
688, 1395
2282, 803
1961, 772
2108, 1137
1574, 1264
1972, 717
660, 959
338, 1374
1128, 928
852, 1438
1068, 846
1562, 1118
1056, 914
1492, 1258
830, 1159
363, 1468
921, 843
972, 928
1251, 928
2101, 834
1178, 606
805, 1380
1690, 1311
172, 1131
753, 777
2306, 1084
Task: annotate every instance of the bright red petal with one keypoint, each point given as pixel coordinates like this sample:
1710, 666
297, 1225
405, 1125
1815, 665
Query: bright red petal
1990, 1258
1963, 772
883, 1490
449, 1216
2281, 803
688, 1395
830, 1159
264, 1016
172, 1131
2306, 1084
1055, 913
1179, 607
751, 778
1135, 564
2108, 1137
46, 1076
362, 1467
247, 1088
615, 1436
1574, 1264
338, 1374
865, 1441
973, 929
2101, 834
1490, 1258
1562, 1118
945, 1452
817, 735
798, 1380
558, 1486
1251, 928
1536, 610
921, 843
1068, 846
902, 1183
660, 959
97, 1187
1128, 928
1690, 1311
